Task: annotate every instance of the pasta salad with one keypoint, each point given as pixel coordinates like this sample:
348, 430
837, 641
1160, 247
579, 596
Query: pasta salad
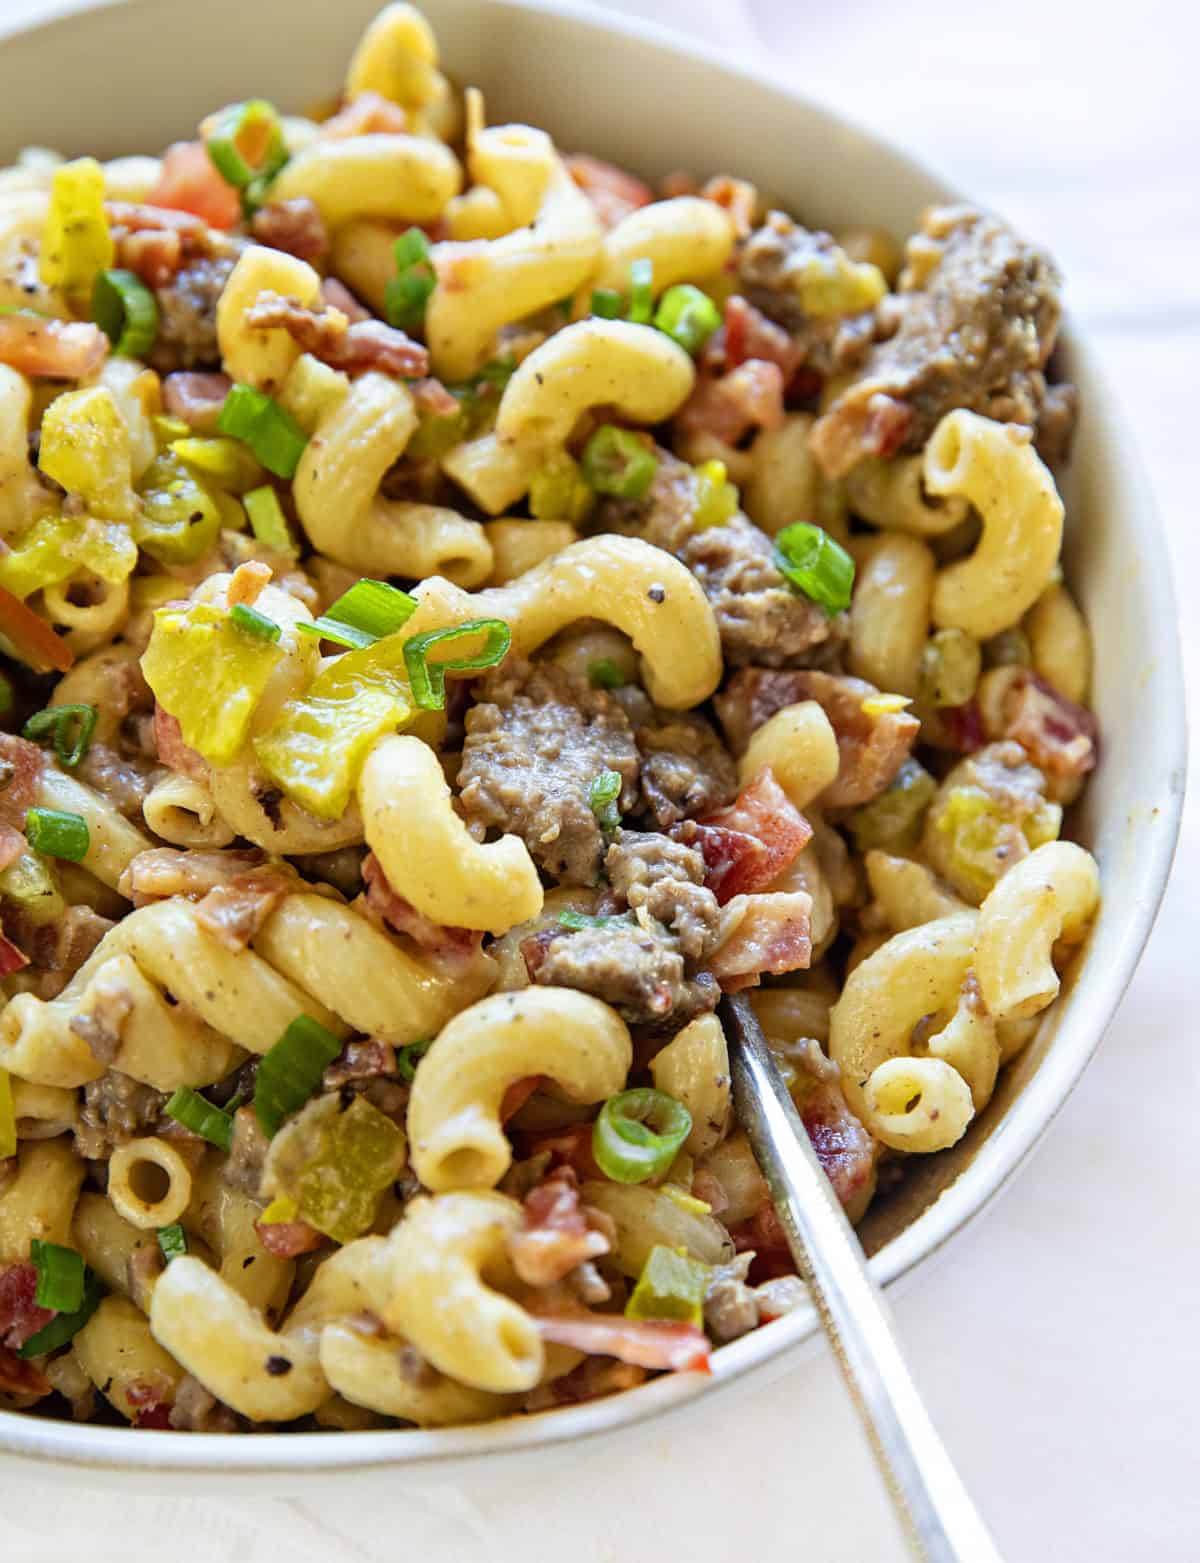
463, 610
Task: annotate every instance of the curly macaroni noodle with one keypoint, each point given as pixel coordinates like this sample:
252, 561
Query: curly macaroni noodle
1049, 896
683, 239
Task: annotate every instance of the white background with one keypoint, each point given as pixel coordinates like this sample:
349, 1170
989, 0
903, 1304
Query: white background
1056, 1341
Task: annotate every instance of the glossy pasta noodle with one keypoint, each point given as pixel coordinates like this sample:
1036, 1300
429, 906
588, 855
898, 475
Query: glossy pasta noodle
464, 609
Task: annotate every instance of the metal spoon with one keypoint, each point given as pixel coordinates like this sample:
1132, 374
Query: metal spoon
940, 1522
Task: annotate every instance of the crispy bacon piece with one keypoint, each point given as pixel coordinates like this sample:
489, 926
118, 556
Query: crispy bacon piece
295, 227
12, 844
233, 913
768, 933
384, 905
844, 1148
876, 427
197, 397
324, 332
171, 749
1059, 736
21, 767
750, 335
54, 349
288, 1239
612, 191
246, 584
11, 958
338, 296
20, 1316
750, 842
956, 727
367, 114
190, 183
150, 1402
144, 217
153, 254
167, 871
748, 397
23, 1380
647, 1343
555, 1235
568, 1148
737, 197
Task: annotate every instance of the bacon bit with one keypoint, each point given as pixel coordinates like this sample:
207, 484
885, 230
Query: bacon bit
737, 197
877, 426
612, 191
568, 1148
326, 333
591, 1379
517, 1094
21, 767
433, 400
647, 1343
750, 335
154, 255
190, 183
156, 1417
384, 906
958, 727
750, 396
54, 349
367, 114
20, 1316
338, 296
147, 1399
141, 217
247, 582
555, 1235
764, 1235
360, 1061
20, 1378
11, 958
295, 226
1059, 736
171, 749
769, 933
12, 844
844, 1148
197, 397
167, 871
233, 913
750, 842
288, 1239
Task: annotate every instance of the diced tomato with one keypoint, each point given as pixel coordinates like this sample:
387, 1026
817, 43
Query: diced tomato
53, 349
32, 638
647, 1343
20, 1316
748, 844
190, 183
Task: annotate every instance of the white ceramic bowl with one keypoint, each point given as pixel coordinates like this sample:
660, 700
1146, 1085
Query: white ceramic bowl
629, 92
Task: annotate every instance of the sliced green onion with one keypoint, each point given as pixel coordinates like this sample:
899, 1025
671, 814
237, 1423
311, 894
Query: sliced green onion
406, 295
893, 820
558, 490
577, 921
269, 429
58, 834
605, 674
428, 679
71, 726
816, 565
671, 1286
364, 614
606, 302
64, 1326
8, 1118
245, 143
267, 520
687, 316
407, 1058
617, 461
125, 310
603, 793
291, 1071
172, 1241
252, 622
59, 1276
641, 291
638, 1134
199, 1115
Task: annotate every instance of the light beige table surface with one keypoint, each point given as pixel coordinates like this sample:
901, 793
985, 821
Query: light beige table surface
1057, 1339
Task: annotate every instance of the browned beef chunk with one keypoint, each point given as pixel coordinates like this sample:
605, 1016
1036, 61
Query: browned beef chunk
686, 769
976, 319
58, 949
244, 1164
196, 1411
535, 742
115, 1108
666, 878
187, 313
641, 974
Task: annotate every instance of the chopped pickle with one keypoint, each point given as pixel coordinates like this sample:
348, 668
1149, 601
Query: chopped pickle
56, 546
892, 821
979, 841
31, 883
316, 748
950, 665
208, 675
85, 446
76, 242
716, 497
559, 492
671, 1286
180, 520
223, 463
830, 283
336, 1165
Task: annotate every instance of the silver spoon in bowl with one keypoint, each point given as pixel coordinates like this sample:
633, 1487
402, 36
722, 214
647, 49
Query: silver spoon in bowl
940, 1522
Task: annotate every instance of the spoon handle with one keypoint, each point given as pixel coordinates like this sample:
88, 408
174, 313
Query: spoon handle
940, 1522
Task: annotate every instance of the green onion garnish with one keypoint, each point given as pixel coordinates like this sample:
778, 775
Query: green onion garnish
245, 143
407, 1058
671, 1286
59, 1276
199, 1115
641, 295
125, 310
638, 1134
816, 565
269, 429
291, 1071
366, 613
267, 520
605, 674
406, 295
606, 302
603, 793
64, 1326
172, 1241
576, 921
428, 679
617, 461
58, 834
687, 316
71, 726
252, 622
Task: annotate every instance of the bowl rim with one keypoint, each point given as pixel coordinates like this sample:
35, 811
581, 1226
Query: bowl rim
111, 1449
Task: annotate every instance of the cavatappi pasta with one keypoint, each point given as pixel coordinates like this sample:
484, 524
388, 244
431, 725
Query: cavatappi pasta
464, 609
